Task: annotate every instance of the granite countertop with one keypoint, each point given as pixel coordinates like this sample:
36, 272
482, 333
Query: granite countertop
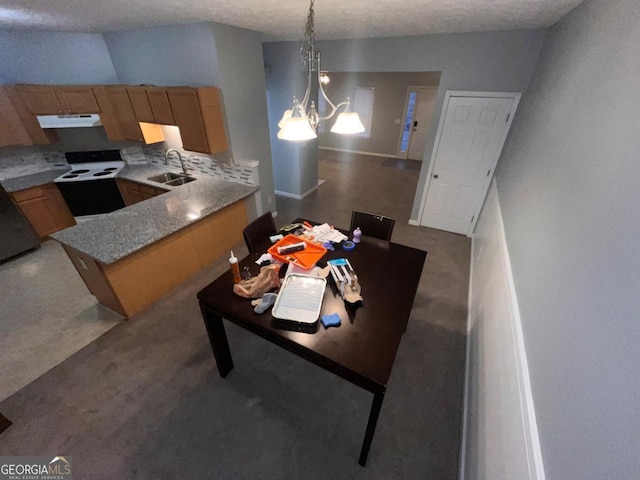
31, 180
114, 236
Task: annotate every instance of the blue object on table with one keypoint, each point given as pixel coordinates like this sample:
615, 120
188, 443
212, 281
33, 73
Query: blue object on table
329, 246
348, 245
262, 304
332, 320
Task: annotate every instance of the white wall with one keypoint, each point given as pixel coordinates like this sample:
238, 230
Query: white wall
500, 435
54, 58
568, 186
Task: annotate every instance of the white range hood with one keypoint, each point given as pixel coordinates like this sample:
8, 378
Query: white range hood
69, 121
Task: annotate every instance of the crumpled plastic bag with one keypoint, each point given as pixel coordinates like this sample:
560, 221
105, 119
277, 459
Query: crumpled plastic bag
255, 287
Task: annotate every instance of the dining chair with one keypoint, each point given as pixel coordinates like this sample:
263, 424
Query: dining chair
257, 233
372, 225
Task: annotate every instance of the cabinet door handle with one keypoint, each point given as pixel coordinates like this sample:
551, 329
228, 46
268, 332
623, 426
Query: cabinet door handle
435, 175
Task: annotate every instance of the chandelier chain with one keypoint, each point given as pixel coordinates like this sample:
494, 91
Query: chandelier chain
309, 38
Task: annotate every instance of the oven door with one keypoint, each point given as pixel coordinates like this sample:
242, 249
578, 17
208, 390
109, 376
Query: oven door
92, 197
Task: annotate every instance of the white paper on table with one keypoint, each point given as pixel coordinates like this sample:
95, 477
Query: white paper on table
324, 233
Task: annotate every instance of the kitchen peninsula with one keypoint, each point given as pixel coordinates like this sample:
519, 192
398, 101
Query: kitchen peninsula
133, 256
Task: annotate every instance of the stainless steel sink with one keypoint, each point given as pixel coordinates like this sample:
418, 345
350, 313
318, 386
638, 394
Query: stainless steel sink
180, 181
171, 179
165, 177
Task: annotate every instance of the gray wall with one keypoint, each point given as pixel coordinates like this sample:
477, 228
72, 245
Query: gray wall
489, 61
568, 186
295, 165
167, 56
241, 77
54, 58
389, 100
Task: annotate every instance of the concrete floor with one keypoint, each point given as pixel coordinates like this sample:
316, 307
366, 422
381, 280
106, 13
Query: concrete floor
46, 315
144, 400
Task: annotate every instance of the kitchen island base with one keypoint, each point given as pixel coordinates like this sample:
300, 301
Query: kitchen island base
132, 283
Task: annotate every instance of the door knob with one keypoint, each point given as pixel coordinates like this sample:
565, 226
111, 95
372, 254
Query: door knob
435, 175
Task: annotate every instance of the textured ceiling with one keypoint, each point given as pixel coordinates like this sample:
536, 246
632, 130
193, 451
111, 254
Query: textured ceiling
285, 19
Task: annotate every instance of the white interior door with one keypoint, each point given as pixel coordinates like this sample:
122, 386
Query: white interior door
421, 122
472, 131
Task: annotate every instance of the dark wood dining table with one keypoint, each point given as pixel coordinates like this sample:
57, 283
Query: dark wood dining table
362, 349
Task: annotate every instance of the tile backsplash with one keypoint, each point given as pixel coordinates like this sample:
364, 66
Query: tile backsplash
245, 172
18, 162
27, 160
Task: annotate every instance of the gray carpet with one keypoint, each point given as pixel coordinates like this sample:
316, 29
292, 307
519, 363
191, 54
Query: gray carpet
145, 401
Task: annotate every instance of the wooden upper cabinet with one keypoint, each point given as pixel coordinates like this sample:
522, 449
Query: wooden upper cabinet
18, 126
160, 106
41, 99
108, 117
124, 113
77, 99
140, 104
198, 112
37, 135
59, 100
129, 125
11, 129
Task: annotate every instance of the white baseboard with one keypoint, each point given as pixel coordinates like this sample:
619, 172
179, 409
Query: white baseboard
373, 154
413, 222
295, 195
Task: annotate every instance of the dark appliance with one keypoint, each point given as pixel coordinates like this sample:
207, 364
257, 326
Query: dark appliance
90, 187
16, 233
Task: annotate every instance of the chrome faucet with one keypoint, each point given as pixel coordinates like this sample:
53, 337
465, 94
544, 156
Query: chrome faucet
166, 159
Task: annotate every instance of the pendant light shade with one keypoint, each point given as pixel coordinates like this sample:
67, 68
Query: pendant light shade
296, 129
348, 123
286, 116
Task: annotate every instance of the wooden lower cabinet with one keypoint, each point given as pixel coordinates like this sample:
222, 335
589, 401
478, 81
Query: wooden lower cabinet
45, 209
134, 192
136, 281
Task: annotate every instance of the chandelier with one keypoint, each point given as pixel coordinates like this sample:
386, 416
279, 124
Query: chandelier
299, 123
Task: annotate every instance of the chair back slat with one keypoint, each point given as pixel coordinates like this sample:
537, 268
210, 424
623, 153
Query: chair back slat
256, 234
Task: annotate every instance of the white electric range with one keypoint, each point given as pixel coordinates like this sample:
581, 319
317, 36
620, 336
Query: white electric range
90, 187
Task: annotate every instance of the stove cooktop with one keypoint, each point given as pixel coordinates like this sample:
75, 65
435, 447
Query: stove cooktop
91, 171
91, 165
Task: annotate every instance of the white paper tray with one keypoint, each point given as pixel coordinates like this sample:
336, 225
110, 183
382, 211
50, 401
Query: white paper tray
300, 298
